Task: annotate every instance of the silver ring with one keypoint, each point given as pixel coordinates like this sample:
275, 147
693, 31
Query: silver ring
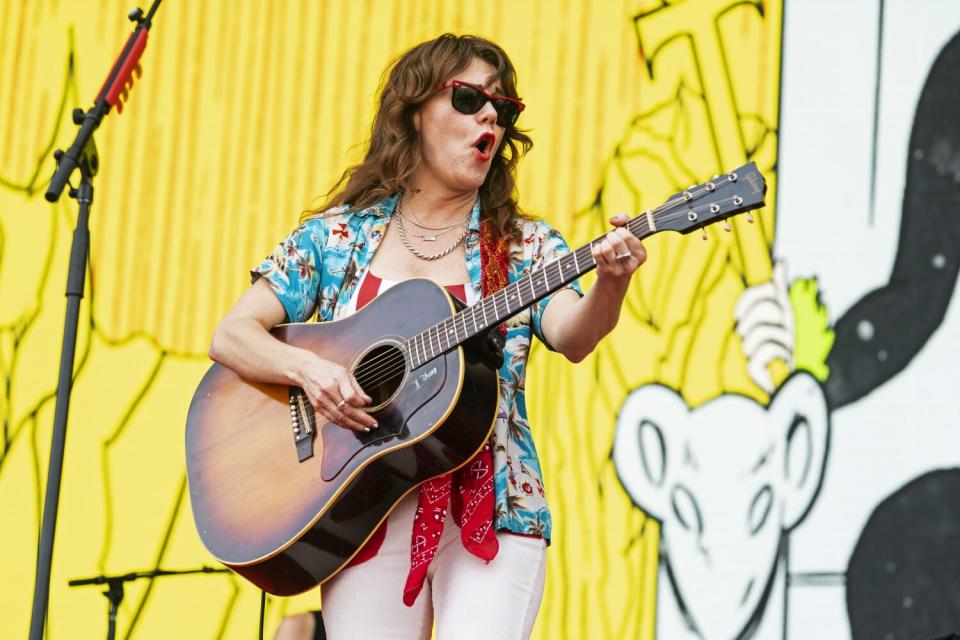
620, 257
342, 404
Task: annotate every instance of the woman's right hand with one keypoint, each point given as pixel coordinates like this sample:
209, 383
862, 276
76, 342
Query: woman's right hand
334, 393
242, 342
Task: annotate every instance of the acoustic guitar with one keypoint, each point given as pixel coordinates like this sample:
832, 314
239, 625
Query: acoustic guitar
286, 500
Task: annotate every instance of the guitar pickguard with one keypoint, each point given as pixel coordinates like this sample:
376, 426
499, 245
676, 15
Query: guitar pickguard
341, 446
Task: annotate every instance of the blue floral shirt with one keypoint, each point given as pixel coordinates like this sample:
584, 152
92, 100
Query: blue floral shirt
316, 269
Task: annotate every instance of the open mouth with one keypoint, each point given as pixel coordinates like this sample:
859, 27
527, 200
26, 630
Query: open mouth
484, 145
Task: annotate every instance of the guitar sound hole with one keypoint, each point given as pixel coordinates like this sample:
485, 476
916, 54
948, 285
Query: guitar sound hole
380, 373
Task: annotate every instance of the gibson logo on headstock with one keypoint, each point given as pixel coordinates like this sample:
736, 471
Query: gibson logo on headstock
754, 183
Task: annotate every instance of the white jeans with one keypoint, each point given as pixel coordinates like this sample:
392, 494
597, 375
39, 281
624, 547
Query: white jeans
468, 597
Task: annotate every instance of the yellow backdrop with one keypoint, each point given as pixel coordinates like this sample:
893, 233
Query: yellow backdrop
247, 112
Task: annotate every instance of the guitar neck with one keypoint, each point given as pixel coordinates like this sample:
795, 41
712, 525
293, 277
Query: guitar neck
740, 190
512, 299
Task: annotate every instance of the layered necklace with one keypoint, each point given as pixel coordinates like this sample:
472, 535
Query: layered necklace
431, 235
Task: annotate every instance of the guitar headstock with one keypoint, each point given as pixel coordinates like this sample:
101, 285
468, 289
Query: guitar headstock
724, 196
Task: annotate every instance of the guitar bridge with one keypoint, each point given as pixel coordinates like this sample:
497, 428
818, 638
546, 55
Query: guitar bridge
303, 423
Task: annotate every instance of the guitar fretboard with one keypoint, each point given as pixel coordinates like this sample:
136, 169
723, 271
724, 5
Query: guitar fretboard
509, 301
693, 208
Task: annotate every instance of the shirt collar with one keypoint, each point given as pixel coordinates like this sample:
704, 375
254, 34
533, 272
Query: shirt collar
382, 209
474, 224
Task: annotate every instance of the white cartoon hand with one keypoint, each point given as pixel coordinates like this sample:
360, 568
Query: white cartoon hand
765, 323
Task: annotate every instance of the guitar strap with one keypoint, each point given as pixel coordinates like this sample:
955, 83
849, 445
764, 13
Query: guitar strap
469, 489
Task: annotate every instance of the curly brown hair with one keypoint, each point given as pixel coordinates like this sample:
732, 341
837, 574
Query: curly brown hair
394, 151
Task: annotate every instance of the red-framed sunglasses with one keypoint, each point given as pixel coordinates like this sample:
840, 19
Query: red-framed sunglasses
468, 99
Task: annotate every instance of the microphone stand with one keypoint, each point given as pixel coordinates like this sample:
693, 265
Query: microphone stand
114, 592
82, 154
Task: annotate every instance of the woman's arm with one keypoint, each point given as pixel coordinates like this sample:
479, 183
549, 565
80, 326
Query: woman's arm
242, 342
574, 325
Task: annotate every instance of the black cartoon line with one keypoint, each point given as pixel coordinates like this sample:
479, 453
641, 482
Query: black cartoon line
105, 447
158, 558
876, 115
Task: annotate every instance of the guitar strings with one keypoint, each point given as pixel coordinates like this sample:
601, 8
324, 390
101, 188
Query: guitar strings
394, 363
387, 364
387, 368
391, 365
384, 367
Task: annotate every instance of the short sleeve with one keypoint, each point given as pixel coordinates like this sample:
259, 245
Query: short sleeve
547, 245
293, 270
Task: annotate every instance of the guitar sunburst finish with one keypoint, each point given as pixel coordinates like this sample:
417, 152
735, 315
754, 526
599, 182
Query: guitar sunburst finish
287, 525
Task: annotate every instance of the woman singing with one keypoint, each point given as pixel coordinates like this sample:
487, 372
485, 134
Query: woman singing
434, 197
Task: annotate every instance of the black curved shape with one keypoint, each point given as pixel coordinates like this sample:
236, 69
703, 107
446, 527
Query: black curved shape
879, 336
902, 577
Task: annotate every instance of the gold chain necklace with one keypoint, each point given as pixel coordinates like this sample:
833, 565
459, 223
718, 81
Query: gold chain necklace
417, 252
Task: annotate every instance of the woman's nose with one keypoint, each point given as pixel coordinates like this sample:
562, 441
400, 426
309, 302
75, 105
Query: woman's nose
487, 114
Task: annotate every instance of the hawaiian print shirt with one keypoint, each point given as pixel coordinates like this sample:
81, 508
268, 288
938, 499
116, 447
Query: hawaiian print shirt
316, 270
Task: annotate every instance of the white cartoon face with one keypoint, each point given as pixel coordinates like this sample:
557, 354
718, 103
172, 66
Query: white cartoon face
725, 481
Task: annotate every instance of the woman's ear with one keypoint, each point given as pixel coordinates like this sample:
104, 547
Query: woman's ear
416, 120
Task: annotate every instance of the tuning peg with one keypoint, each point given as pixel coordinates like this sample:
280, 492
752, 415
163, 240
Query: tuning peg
749, 217
704, 230
727, 226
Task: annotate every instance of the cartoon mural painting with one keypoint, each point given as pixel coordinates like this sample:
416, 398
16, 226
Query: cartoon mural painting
876, 556
768, 445
725, 511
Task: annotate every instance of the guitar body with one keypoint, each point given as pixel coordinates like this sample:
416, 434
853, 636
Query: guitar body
287, 502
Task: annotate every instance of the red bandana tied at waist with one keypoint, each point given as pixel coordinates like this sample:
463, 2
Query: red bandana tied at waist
469, 489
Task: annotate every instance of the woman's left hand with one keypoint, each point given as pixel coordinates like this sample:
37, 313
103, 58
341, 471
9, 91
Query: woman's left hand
575, 325
618, 255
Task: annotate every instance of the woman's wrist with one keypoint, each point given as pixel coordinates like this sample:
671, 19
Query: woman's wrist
609, 293
296, 365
